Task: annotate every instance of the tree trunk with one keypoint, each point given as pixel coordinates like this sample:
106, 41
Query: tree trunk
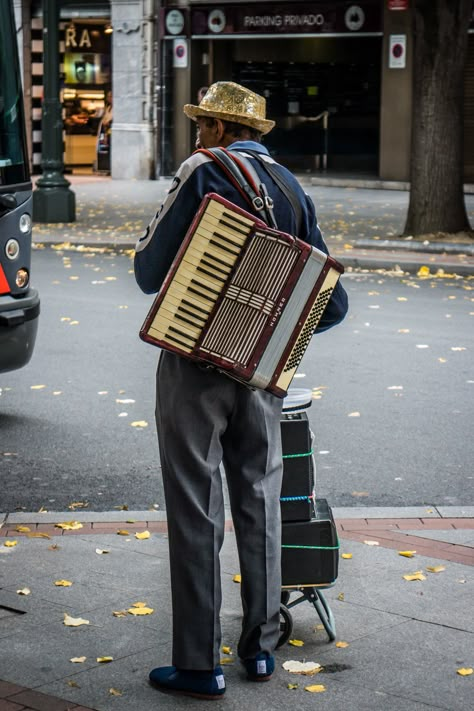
437, 160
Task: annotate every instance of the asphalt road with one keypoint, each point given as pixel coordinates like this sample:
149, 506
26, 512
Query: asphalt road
391, 415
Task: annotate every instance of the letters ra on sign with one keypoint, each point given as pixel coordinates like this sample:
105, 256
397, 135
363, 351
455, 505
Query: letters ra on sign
397, 52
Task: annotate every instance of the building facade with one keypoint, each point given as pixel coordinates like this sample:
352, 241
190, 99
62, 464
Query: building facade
337, 77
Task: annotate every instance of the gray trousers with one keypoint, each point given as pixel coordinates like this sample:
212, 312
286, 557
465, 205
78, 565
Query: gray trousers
204, 419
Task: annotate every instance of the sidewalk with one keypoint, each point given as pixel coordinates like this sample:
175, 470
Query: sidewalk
404, 641
359, 224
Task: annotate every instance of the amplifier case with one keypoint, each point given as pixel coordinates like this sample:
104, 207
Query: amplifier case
314, 559
298, 470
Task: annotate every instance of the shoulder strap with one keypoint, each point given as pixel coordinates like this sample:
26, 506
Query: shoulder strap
284, 187
245, 178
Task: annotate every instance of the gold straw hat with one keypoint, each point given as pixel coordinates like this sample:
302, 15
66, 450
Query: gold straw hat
231, 102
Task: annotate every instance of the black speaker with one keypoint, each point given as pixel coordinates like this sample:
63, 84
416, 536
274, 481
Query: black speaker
310, 549
297, 492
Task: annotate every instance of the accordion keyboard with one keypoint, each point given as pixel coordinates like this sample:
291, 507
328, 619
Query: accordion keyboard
205, 267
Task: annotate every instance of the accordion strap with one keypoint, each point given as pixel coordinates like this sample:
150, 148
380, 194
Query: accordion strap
245, 178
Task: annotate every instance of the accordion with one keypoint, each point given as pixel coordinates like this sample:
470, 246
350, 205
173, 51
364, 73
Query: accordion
241, 297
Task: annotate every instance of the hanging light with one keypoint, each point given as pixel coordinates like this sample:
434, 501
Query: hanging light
108, 29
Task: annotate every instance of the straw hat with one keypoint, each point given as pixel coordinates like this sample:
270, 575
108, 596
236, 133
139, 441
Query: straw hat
231, 102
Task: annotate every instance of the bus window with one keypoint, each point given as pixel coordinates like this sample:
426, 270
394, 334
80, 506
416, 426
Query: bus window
19, 303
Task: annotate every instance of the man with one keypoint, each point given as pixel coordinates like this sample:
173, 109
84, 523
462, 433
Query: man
205, 418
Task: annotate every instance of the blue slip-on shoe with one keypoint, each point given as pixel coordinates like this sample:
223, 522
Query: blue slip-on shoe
260, 668
200, 684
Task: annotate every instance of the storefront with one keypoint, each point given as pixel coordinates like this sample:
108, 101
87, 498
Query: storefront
317, 63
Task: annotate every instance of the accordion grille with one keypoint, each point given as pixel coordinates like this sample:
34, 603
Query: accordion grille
307, 331
250, 298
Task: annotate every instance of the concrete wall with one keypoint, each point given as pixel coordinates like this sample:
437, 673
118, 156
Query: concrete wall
396, 101
133, 128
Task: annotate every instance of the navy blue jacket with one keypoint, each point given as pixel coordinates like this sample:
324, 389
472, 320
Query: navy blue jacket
199, 175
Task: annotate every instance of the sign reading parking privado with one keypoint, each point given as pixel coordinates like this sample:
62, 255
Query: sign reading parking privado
285, 18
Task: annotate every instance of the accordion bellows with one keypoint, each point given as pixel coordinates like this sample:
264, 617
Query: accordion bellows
242, 297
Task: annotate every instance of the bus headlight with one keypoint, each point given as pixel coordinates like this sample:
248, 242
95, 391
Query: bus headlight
25, 223
22, 278
12, 249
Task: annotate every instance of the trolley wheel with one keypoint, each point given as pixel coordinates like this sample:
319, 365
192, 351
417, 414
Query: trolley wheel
285, 597
286, 625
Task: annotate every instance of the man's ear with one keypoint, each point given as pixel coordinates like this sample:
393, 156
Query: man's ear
220, 129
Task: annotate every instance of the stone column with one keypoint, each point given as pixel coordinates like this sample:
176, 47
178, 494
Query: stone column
134, 125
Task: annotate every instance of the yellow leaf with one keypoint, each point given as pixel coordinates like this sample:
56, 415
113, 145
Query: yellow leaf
122, 532
415, 576
63, 583
69, 525
105, 660
24, 591
120, 613
304, 668
315, 688
140, 611
341, 597
78, 660
115, 692
22, 529
342, 645
435, 568
74, 621
142, 536
10, 544
407, 554
139, 604
73, 684
237, 578
296, 642
464, 671
139, 423
346, 556
226, 650
39, 535
292, 686
37, 387
226, 660
423, 272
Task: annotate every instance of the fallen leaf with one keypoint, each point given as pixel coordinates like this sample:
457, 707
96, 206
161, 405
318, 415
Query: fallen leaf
39, 535
346, 556
140, 611
78, 660
415, 576
10, 544
342, 645
296, 642
22, 529
465, 671
292, 686
341, 597
139, 604
407, 554
226, 660
139, 423
24, 591
304, 668
142, 536
63, 583
37, 387
226, 650
353, 414
115, 692
435, 568
371, 543
73, 684
69, 525
315, 688
74, 621
105, 660
123, 532
423, 272
237, 578
120, 613
101, 551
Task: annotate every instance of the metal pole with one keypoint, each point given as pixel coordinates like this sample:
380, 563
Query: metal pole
53, 201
